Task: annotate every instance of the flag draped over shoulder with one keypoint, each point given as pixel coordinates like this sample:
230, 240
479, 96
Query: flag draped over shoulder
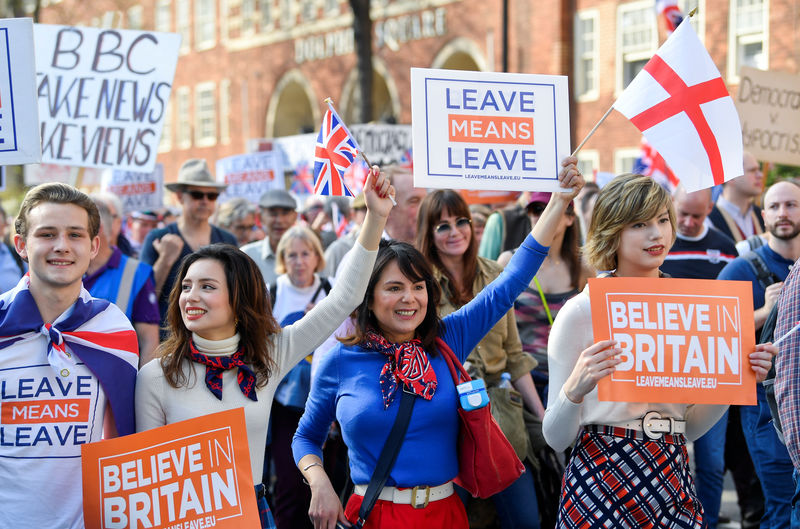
335, 151
95, 331
680, 103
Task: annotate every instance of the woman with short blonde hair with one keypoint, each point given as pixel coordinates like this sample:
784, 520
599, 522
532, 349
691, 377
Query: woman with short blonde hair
301, 233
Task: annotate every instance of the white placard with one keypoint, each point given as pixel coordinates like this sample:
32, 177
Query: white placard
491, 131
137, 191
250, 175
102, 94
19, 120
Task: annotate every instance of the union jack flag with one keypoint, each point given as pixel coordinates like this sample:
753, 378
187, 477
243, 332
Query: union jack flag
671, 13
651, 163
335, 152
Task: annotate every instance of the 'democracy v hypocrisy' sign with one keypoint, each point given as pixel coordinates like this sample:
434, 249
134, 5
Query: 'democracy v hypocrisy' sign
102, 94
491, 131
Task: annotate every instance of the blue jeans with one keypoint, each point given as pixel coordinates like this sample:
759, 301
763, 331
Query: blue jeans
709, 462
796, 500
771, 460
517, 506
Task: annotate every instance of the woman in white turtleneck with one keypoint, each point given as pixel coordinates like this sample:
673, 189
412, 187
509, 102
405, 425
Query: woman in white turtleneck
221, 327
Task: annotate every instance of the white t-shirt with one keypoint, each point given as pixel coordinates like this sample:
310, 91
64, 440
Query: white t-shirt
44, 420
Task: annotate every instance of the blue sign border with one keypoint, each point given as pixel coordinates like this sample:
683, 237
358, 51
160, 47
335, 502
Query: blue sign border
427, 124
11, 92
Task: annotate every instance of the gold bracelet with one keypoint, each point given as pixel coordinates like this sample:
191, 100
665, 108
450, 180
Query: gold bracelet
312, 465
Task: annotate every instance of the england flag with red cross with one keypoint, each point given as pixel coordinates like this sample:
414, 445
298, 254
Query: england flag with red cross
680, 103
335, 152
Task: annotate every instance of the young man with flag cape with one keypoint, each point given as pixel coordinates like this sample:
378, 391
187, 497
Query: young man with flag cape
68, 363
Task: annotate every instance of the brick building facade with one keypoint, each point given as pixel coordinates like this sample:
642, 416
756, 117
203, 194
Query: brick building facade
261, 68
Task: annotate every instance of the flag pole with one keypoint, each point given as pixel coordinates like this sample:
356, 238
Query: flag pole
363, 155
581, 144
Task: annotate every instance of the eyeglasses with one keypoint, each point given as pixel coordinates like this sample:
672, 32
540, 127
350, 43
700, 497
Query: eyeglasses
244, 227
198, 195
445, 227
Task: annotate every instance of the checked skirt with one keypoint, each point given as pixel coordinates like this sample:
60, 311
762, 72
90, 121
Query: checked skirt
619, 478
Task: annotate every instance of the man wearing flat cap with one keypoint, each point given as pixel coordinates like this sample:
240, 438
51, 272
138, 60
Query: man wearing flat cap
278, 213
164, 248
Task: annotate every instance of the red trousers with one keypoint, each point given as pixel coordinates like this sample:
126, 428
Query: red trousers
448, 513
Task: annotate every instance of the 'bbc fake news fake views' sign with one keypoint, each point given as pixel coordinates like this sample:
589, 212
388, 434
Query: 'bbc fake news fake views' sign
682, 340
193, 473
491, 131
102, 94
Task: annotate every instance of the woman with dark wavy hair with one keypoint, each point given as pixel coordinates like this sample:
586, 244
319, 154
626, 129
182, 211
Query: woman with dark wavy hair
226, 350
396, 344
446, 237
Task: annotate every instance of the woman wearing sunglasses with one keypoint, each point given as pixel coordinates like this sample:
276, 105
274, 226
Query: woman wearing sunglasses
225, 348
445, 236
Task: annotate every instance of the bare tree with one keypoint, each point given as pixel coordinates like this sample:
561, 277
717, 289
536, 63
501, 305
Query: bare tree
362, 31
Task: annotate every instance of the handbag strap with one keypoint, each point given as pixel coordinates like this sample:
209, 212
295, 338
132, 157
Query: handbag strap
387, 458
457, 370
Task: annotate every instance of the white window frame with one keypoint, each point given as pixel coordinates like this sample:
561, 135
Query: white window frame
165, 145
265, 6
621, 155
287, 14
183, 24
593, 93
638, 55
200, 90
590, 158
313, 7
184, 122
134, 14
225, 111
163, 16
699, 19
734, 39
203, 20
331, 7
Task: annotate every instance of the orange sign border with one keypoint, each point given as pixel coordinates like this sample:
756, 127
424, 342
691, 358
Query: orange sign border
743, 393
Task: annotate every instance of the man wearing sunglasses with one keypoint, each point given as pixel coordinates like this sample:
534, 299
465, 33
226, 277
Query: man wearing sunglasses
164, 248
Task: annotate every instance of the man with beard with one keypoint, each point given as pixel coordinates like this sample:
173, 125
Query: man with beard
770, 264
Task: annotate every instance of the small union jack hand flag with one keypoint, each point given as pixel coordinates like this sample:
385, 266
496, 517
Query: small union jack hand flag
336, 149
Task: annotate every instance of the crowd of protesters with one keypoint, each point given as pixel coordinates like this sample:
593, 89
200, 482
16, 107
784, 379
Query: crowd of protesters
304, 317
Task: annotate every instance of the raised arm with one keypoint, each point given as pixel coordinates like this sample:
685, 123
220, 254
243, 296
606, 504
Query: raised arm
299, 339
464, 328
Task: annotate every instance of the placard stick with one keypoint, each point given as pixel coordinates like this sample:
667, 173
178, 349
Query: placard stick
788, 333
581, 144
370, 168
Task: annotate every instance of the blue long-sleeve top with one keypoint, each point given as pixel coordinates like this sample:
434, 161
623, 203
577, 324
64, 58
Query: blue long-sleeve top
346, 388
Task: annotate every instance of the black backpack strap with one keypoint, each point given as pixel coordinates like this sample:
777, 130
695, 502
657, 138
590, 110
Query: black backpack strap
768, 335
325, 285
765, 276
387, 458
273, 293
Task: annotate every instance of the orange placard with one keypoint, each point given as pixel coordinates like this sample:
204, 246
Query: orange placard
683, 340
193, 473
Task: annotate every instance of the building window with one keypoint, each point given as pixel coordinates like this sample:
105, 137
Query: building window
183, 23
637, 40
164, 16
287, 13
586, 55
134, 18
748, 36
166, 131
204, 24
182, 98
588, 162
331, 7
205, 128
248, 9
625, 158
225, 111
265, 14
308, 10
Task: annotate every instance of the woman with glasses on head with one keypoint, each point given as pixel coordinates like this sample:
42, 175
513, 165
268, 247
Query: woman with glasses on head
225, 349
445, 236
619, 475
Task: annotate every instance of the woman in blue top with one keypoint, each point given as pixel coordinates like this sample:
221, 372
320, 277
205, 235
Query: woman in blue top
394, 344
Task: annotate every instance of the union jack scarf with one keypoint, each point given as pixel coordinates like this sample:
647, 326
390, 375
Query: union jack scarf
215, 365
92, 331
407, 362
